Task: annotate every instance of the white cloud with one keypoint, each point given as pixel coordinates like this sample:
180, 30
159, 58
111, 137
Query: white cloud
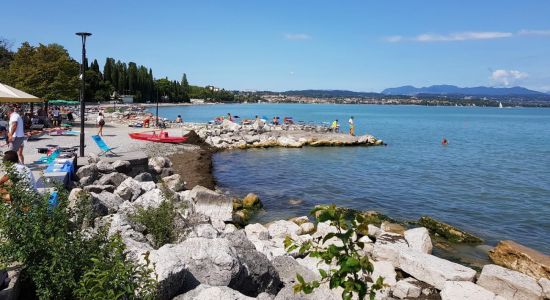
393, 38
297, 36
462, 36
507, 77
534, 32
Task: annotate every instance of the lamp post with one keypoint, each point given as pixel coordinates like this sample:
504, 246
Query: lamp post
83, 35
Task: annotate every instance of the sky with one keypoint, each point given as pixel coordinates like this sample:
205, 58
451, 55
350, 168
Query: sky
303, 44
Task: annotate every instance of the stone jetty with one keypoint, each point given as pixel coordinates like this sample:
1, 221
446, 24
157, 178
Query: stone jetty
214, 257
230, 135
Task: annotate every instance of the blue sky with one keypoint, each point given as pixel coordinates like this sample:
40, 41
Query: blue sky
304, 44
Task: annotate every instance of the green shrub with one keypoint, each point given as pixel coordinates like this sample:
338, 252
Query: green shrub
353, 269
113, 276
46, 241
158, 221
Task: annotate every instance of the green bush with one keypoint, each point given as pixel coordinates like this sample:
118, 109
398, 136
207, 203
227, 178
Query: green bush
353, 269
47, 241
158, 221
113, 276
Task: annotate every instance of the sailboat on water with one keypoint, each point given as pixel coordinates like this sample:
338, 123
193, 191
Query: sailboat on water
500, 105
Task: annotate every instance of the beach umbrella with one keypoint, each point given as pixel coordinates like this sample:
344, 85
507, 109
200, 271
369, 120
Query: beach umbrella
10, 94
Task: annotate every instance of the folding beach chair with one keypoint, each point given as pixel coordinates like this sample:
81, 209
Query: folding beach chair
101, 144
48, 159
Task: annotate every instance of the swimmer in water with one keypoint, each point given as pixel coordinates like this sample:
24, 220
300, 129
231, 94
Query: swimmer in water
444, 142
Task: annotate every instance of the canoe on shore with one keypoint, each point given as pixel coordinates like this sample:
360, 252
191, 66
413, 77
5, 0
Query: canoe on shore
161, 137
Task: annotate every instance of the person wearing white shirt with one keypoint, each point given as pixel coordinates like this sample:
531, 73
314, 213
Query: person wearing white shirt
351, 126
16, 133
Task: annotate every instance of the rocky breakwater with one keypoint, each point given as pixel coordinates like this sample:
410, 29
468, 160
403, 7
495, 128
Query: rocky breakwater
208, 257
230, 135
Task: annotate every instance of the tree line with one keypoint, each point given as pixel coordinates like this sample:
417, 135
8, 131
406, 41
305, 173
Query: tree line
48, 72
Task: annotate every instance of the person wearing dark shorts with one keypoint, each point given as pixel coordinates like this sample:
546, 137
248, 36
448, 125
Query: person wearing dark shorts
16, 133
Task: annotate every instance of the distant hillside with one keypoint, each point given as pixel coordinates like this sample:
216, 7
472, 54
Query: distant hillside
467, 91
329, 93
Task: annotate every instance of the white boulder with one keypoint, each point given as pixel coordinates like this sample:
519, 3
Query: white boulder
282, 228
256, 231
211, 204
419, 239
545, 284
407, 288
129, 189
433, 270
465, 290
509, 284
385, 270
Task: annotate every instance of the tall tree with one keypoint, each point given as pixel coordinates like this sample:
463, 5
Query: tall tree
46, 71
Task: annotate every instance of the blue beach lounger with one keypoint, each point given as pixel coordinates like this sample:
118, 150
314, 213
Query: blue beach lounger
101, 144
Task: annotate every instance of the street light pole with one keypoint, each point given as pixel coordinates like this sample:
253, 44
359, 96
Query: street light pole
83, 35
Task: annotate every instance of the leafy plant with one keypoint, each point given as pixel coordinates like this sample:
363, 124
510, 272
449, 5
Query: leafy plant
352, 269
47, 241
113, 276
158, 221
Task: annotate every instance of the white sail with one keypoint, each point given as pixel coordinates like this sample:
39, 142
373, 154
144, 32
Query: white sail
500, 105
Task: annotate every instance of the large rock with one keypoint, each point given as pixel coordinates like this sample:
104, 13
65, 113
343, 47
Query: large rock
158, 163
174, 182
285, 141
392, 227
447, 231
419, 239
206, 292
105, 167
385, 270
407, 288
256, 231
520, 258
287, 267
465, 290
388, 247
251, 201
152, 198
87, 171
232, 126
323, 292
74, 197
282, 228
545, 284
433, 270
129, 189
121, 166
509, 284
209, 261
143, 177
96, 188
258, 274
112, 179
171, 272
212, 204
105, 203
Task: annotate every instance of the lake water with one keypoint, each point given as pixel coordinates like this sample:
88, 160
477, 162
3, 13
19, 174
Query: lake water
493, 179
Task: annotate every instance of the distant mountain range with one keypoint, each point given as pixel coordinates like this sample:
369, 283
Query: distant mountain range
409, 90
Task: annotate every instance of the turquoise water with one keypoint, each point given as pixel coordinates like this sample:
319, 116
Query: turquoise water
493, 179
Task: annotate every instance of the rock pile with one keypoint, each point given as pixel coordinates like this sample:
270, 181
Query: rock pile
211, 258
230, 135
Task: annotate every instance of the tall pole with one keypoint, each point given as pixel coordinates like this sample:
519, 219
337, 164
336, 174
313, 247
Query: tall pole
83, 35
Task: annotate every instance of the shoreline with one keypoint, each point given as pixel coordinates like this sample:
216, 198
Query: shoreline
192, 164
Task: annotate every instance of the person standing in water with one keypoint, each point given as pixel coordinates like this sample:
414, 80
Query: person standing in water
351, 126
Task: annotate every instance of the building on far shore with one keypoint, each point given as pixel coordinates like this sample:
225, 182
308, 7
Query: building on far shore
197, 101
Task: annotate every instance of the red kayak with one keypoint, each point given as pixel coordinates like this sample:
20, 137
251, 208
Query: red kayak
161, 137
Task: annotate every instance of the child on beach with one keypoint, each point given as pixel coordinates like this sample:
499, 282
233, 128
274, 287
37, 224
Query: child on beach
100, 123
351, 126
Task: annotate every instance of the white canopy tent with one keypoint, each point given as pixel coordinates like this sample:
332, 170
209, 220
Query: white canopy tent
10, 94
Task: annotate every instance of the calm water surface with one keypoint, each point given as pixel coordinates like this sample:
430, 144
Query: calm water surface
493, 178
